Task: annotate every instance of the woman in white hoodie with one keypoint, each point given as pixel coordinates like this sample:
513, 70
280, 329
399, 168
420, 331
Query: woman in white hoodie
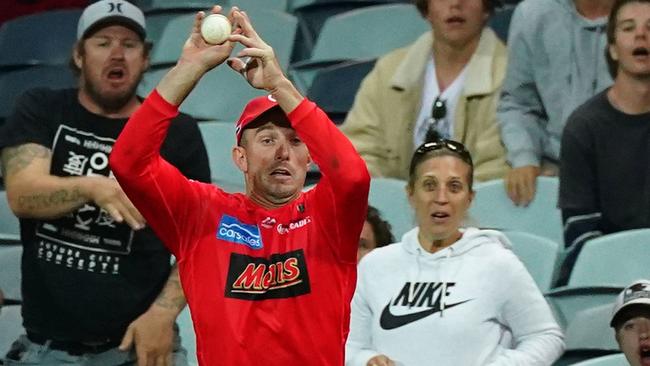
446, 295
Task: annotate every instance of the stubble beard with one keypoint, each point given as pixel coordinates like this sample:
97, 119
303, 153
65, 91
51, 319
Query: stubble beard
109, 103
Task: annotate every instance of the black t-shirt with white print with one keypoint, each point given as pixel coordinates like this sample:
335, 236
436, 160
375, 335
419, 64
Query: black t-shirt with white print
86, 277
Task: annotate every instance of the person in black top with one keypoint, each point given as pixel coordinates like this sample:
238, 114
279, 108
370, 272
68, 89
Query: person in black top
604, 185
97, 284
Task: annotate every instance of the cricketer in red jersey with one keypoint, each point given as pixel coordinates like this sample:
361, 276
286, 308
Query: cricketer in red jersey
268, 275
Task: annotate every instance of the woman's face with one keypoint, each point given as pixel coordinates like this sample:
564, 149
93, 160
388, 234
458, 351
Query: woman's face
440, 196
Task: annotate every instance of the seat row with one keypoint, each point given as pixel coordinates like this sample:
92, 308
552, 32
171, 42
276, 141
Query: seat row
344, 52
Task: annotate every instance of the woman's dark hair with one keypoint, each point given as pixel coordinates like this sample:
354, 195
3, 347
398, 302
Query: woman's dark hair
423, 6
436, 148
612, 65
380, 227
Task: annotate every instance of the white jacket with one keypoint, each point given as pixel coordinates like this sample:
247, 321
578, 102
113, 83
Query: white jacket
470, 304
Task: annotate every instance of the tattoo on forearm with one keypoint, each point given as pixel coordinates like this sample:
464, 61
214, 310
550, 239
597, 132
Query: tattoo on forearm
171, 297
15, 159
56, 198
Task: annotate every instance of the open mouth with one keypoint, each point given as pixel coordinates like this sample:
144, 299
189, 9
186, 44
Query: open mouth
116, 73
439, 215
644, 352
455, 20
640, 51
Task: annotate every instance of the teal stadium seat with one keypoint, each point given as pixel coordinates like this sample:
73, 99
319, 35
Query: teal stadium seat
248, 5
589, 335
388, 195
493, 209
360, 34
11, 326
500, 21
277, 28
44, 38
603, 268
15, 82
9, 226
158, 6
222, 93
188, 337
540, 256
219, 139
611, 360
10, 276
345, 78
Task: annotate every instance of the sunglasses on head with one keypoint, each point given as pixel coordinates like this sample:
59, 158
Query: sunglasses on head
451, 145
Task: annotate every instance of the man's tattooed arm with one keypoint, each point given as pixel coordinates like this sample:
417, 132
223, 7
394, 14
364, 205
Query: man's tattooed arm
172, 297
31, 190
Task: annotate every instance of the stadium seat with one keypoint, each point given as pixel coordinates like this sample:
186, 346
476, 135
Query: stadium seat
603, 268
500, 21
220, 95
9, 226
248, 5
10, 257
360, 34
156, 6
388, 195
188, 337
277, 28
11, 324
493, 209
14, 82
45, 38
335, 87
589, 335
540, 256
219, 139
611, 360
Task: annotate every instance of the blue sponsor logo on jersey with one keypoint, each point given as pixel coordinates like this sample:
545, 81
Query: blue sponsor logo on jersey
230, 229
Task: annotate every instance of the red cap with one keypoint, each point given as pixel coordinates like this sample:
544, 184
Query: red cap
255, 108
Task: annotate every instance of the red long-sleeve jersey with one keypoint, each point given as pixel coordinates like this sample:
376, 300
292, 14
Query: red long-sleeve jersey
265, 287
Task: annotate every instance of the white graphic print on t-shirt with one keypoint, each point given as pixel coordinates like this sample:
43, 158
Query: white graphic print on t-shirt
87, 239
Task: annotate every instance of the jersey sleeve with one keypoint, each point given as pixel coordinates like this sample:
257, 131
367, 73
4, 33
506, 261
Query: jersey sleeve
341, 196
171, 203
186, 150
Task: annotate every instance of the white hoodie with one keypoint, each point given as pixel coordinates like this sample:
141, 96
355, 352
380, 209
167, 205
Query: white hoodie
470, 304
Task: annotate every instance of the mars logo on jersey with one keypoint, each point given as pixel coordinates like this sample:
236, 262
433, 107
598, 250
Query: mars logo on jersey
230, 229
279, 276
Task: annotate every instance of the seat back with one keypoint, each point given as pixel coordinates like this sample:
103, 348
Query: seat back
15, 82
220, 95
9, 225
590, 329
540, 256
345, 79
363, 32
611, 360
158, 6
389, 197
277, 28
11, 325
493, 209
188, 337
616, 259
500, 21
10, 275
45, 38
219, 139
360, 34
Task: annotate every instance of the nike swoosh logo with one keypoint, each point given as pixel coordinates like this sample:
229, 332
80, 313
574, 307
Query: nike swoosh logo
389, 321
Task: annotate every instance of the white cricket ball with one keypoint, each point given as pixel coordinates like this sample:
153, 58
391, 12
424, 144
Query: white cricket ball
215, 28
